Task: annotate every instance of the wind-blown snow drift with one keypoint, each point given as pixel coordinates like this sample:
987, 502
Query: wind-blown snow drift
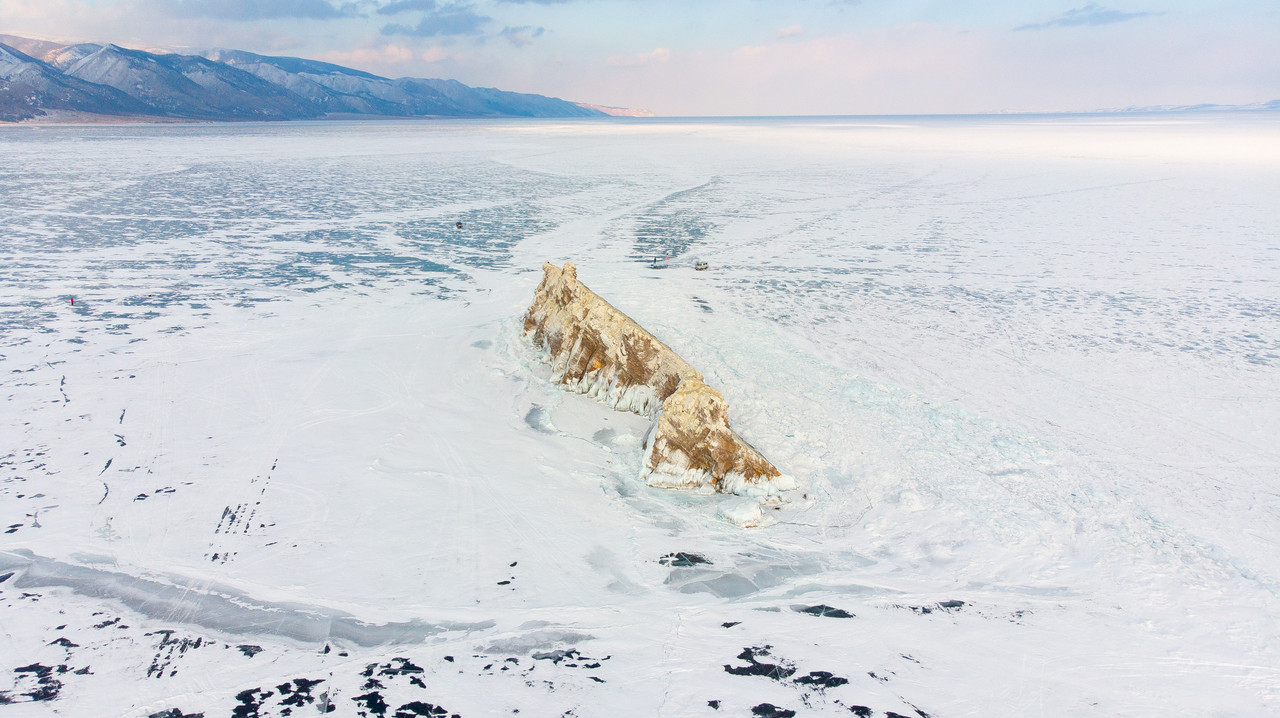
595, 349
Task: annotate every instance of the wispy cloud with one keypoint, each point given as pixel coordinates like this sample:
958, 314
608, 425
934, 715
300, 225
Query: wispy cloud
257, 9
1091, 14
789, 31
405, 6
656, 55
386, 55
534, 2
456, 19
521, 36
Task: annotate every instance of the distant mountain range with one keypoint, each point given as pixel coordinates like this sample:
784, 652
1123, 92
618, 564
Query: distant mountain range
38, 78
1255, 107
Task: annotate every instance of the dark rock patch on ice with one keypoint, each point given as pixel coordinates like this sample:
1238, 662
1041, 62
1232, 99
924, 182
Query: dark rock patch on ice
755, 667
250, 703
169, 650
46, 688
571, 657
175, 713
821, 679
418, 708
396, 667
944, 606
680, 559
297, 693
370, 704
823, 610
769, 710
249, 650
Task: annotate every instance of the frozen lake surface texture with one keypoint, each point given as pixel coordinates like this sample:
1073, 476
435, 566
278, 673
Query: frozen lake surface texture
287, 454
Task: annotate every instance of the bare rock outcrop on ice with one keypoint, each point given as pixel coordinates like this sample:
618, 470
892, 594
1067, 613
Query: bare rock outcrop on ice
595, 349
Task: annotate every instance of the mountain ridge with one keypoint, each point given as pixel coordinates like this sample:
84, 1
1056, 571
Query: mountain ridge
39, 77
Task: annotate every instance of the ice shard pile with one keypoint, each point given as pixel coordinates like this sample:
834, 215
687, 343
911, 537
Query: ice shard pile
595, 349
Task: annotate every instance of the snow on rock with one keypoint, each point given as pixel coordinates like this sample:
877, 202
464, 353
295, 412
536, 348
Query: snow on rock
595, 349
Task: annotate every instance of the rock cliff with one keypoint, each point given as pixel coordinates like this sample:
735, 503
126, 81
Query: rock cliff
595, 349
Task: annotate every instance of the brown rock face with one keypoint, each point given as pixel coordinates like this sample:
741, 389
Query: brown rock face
597, 350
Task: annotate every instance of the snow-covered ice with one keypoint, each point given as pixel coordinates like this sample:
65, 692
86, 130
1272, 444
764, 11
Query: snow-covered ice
287, 452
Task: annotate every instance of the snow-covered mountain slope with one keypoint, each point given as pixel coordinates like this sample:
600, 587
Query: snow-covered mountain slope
287, 450
237, 85
340, 89
29, 87
189, 86
332, 87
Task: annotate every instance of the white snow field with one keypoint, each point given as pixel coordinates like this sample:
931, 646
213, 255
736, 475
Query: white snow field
287, 454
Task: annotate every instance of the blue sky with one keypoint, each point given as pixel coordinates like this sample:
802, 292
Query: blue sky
739, 57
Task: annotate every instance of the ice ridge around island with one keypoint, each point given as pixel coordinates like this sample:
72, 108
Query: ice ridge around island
596, 350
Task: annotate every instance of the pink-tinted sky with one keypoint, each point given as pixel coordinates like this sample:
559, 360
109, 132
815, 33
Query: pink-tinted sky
738, 57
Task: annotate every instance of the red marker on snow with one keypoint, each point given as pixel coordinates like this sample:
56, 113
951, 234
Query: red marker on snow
73, 300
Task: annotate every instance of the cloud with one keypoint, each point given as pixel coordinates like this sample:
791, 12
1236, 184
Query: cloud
789, 31
400, 6
436, 54
639, 59
521, 36
257, 9
534, 2
385, 55
1091, 14
456, 19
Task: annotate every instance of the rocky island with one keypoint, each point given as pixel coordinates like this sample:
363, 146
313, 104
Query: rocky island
595, 349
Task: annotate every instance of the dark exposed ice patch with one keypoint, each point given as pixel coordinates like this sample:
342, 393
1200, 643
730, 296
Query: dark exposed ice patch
219, 608
544, 639
728, 585
539, 419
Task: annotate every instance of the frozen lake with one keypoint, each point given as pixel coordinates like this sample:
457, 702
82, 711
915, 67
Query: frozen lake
286, 453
